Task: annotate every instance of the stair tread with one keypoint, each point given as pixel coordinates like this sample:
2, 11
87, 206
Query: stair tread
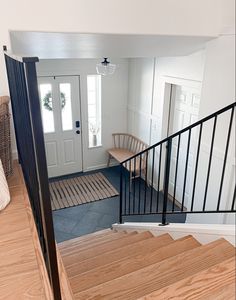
86, 237
212, 283
75, 247
126, 265
69, 251
159, 275
105, 247
117, 254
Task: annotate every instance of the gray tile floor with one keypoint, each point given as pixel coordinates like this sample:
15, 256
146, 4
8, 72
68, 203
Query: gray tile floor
86, 218
83, 219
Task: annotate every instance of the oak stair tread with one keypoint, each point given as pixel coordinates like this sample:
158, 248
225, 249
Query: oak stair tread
159, 275
118, 254
217, 282
138, 265
79, 256
85, 238
126, 265
82, 245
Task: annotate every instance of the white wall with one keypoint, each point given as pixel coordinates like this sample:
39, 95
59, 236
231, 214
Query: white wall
219, 75
189, 68
164, 17
140, 93
114, 102
218, 90
147, 77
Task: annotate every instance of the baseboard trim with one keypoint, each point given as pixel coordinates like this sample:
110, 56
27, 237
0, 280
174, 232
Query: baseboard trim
97, 167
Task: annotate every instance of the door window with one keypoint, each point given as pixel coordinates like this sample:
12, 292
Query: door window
66, 109
45, 91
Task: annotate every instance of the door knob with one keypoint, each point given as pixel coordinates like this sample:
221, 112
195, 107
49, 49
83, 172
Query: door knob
78, 131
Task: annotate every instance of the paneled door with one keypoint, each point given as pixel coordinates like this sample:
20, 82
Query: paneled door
183, 112
60, 107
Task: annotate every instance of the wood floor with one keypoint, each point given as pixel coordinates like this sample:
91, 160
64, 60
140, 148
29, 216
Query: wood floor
20, 274
119, 265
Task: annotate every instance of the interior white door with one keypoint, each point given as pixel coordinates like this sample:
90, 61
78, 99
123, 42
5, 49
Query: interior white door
184, 111
60, 107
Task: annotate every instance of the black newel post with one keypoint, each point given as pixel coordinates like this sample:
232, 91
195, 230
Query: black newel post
166, 181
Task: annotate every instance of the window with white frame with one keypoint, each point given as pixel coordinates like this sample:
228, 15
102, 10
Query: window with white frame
94, 110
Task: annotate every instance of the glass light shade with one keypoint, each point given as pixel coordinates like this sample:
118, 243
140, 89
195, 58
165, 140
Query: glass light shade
105, 68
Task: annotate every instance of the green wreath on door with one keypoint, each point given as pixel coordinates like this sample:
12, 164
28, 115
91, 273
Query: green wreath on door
47, 101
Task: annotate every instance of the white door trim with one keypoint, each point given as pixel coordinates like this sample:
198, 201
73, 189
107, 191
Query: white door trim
165, 92
167, 81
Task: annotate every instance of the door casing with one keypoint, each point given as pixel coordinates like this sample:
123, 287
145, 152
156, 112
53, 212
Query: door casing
184, 111
167, 83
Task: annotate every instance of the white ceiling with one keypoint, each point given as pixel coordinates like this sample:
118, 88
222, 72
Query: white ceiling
48, 45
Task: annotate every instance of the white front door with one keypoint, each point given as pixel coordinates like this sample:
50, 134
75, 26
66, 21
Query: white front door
60, 106
183, 112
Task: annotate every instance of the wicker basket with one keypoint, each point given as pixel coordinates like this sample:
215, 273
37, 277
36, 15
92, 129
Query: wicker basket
5, 137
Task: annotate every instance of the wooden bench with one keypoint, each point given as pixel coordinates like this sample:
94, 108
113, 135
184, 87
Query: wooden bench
125, 146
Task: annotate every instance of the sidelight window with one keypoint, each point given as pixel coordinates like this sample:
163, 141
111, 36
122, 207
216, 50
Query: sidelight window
94, 110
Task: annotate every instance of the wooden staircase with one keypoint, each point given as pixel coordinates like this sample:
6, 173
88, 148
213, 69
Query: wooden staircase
120, 265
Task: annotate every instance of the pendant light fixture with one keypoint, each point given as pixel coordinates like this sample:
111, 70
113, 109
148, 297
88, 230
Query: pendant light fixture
105, 67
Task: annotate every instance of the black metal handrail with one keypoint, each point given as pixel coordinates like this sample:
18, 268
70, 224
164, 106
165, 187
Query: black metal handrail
151, 192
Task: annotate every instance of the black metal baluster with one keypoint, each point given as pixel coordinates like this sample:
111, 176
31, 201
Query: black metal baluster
196, 166
209, 164
159, 178
125, 189
134, 184
121, 193
176, 171
130, 182
186, 170
225, 158
234, 199
145, 188
140, 180
166, 181
153, 163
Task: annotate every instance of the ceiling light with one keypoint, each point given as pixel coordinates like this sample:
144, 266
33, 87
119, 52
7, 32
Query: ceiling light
105, 67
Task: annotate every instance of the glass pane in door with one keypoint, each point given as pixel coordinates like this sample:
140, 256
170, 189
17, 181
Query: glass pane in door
45, 90
66, 109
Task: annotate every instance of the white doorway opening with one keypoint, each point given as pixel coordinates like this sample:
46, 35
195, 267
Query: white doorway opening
182, 102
